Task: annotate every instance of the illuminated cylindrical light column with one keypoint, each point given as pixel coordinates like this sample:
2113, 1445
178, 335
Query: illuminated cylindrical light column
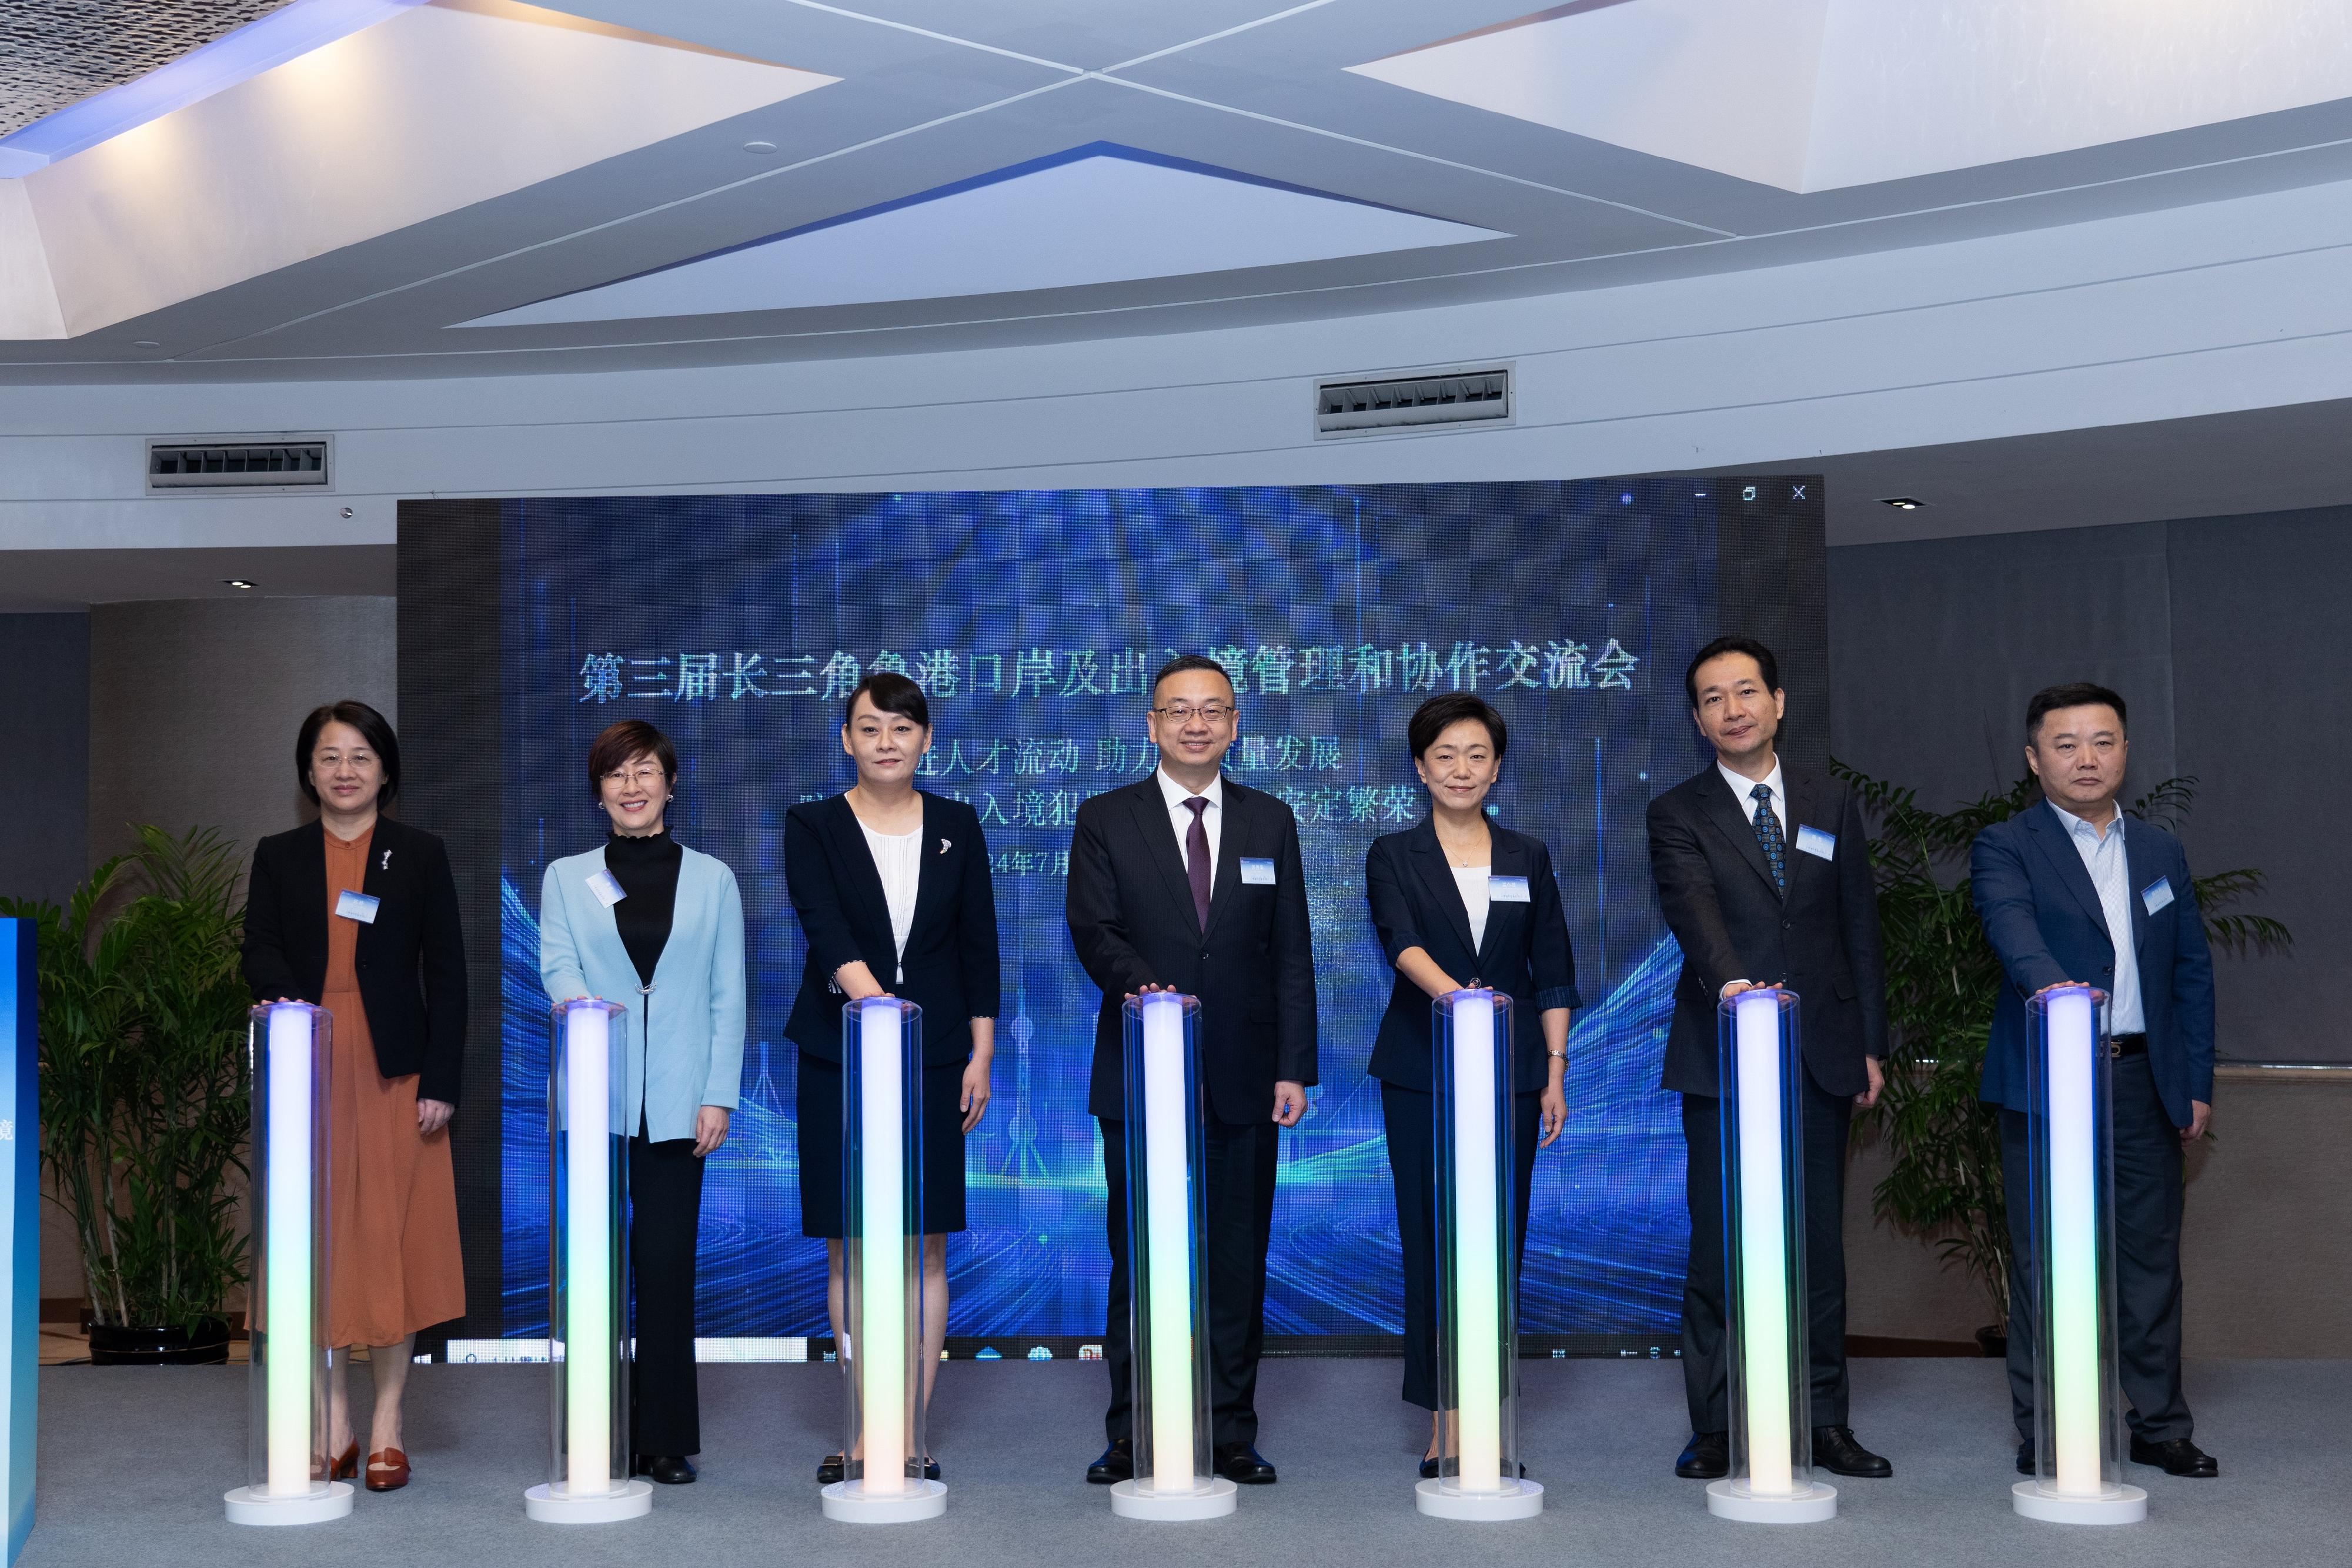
1760, 1076
2078, 1468
1478, 1252
287, 1055
20, 1218
1167, 1301
882, 1262
587, 1302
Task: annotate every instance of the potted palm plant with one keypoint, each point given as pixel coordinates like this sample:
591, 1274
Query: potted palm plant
1942, 981
143, 1090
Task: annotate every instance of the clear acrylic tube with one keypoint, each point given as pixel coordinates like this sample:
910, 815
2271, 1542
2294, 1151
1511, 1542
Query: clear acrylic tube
587, 1311
287, 1049
1167, 1210
882, 1242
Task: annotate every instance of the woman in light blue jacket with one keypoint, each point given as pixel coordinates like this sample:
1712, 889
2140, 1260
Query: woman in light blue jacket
645, 922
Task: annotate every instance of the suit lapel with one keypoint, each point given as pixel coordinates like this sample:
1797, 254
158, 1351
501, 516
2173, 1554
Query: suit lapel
310, 871
1802, 798
1229, 855
1158, 830
605, 929
2139, 870
863, 875
1734, 824
930, 860
1509, 860
1438, 881
376, 876
2058, 849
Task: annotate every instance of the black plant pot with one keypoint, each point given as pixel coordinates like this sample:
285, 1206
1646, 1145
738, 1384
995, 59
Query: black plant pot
208, 1344
1993, 1341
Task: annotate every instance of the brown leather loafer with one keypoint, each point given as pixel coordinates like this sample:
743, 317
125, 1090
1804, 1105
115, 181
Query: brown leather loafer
387, 1470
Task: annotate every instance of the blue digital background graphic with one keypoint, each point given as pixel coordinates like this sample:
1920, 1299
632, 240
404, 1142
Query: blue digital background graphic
1032, 618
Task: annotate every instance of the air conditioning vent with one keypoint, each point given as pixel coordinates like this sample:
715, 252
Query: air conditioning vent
1358, 406
238, 464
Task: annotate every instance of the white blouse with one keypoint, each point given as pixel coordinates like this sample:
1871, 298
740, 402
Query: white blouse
1472, 880
898, 857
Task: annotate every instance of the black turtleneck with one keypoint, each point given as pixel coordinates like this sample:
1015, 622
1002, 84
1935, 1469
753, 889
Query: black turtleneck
646, 870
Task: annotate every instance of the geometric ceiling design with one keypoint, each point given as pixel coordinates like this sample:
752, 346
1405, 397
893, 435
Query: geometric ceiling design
57, 52
1096, 214
1816, 95
612, 184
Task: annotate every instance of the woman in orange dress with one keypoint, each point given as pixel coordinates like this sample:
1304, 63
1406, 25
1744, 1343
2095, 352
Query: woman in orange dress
358, 913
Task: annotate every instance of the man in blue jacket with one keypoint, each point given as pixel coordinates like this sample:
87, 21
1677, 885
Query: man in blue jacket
2072, 891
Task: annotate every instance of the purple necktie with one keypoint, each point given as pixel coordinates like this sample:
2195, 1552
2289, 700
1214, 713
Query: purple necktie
1196, 858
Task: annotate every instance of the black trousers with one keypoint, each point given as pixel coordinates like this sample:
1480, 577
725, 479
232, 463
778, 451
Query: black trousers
2147, 1259
1706, 1369
1240, 1202
664, 1212
1410, 1115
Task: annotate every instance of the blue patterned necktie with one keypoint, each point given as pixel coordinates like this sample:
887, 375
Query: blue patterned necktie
1767, 835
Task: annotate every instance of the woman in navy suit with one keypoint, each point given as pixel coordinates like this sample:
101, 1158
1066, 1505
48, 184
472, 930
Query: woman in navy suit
893, 891
1461, 900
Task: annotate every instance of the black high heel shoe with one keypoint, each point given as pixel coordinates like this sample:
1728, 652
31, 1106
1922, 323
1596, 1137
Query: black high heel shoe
831, 1470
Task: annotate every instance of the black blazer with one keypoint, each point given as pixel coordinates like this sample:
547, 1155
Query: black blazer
1525, 951
1132, 923
410, 961
950, 962
1716, 888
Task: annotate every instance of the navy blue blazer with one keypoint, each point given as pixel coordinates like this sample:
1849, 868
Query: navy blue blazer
2043, 915
1524, 952
953, 968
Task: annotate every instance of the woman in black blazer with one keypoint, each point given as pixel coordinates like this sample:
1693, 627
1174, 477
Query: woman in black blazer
358, 913
1460, 901
892, 887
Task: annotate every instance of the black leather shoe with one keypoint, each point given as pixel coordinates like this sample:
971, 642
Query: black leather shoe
1706, 1458
2180, 1456
1835, 1451
1243, 1465
931, 1469
1116, 1463
1429, 1469
831, 1470
667, 1469
2025, 1457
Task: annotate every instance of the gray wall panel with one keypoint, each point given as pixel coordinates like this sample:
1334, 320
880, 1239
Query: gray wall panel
195, 704
45, 717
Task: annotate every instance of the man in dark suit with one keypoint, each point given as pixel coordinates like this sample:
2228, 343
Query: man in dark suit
1188, 882
2071, 894
1764, 877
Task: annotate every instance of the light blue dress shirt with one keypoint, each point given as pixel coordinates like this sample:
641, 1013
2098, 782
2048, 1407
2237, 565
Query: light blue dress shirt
2103, 857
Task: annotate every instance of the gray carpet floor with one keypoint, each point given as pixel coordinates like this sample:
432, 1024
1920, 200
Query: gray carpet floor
133, 1463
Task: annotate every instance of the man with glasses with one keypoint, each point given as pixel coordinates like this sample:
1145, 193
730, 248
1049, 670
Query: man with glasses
1188, 882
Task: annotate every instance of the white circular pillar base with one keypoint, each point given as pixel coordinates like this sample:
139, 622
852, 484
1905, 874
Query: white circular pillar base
1815, 1503
1517, 1500
851, 1503
251, 1505
2125, 1505
1218, 1497
633, 1499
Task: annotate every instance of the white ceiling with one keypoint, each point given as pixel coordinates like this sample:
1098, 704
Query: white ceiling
934, 93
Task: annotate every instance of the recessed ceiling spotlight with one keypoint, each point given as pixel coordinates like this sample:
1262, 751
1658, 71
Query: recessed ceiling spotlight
762, 148
238, 582
1901, 502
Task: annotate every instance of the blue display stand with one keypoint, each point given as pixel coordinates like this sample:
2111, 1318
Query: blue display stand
20, 1190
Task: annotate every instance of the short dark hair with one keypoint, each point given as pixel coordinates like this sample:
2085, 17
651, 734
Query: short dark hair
630, 737
889, 692
1183, 662
1432, 718
1766, 664
374, 728
2074, 693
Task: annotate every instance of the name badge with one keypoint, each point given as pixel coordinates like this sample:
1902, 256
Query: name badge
1814, 841
2156, 895
1506, 889
356, 907
1257, 872
606, 887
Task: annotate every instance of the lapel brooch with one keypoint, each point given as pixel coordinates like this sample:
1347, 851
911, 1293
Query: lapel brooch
943, 846
385, 864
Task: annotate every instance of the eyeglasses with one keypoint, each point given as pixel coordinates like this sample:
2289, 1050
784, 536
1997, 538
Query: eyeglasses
642, 778
1185, 713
